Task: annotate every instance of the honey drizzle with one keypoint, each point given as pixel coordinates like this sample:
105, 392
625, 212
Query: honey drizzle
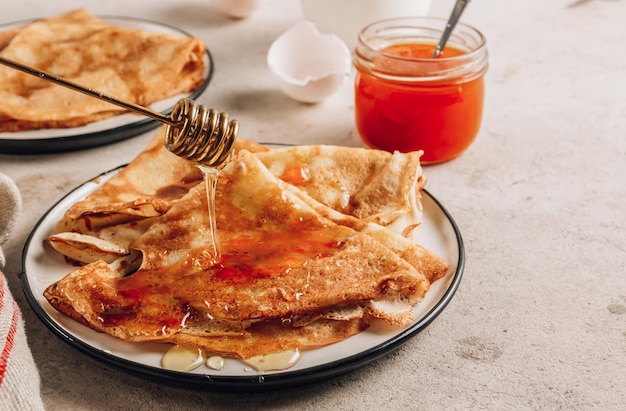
211, 175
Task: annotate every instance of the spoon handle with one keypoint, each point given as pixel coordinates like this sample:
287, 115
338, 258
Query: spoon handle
459, 6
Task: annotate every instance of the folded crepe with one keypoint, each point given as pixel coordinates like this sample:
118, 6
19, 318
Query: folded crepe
134, 65
287, 277
369, 185
108, 220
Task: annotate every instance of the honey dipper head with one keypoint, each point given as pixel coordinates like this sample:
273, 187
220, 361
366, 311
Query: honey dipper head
201, 135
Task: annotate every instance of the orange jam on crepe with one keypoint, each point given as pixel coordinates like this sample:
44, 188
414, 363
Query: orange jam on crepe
273, 253
406, 100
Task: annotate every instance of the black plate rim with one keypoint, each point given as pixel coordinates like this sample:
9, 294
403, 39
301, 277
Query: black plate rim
62, 144
254, 382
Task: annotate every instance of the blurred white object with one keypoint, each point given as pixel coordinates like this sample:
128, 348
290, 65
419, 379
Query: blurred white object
236, 8
346, 18
309, 65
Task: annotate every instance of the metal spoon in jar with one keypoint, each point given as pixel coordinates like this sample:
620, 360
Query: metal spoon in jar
459, 6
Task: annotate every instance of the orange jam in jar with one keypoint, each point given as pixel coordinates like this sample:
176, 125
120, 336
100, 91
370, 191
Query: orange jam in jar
406, 100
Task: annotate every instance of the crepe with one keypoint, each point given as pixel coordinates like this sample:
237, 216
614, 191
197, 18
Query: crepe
282, 263
147, 187
419, 257
109, 219
133, 65
371, 185
313, 243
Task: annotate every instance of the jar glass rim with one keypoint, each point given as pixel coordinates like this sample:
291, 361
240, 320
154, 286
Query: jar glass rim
370, 54
433, 25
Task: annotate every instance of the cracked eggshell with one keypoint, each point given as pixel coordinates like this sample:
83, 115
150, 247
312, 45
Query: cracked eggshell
309, 65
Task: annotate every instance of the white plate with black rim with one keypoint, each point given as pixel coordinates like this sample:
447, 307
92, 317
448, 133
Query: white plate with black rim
109, 130
41, 266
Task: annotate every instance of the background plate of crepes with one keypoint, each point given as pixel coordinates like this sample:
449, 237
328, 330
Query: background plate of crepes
36, 137
43, 266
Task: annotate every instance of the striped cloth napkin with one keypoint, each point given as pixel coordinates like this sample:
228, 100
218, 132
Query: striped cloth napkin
19, 378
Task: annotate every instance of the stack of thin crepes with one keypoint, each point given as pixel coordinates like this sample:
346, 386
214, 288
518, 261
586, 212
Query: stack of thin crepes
133, 65
313, 249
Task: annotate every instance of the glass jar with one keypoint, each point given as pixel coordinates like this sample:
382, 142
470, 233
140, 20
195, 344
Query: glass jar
405, 100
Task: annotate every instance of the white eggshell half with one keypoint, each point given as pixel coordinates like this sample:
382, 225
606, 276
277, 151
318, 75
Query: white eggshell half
309, 65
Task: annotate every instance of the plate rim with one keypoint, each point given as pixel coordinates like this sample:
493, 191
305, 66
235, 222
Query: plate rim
61, 144
255, 382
